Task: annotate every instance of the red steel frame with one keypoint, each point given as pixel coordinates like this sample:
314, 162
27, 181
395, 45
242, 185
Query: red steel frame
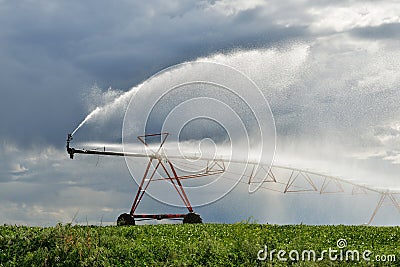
148, 176
214, 167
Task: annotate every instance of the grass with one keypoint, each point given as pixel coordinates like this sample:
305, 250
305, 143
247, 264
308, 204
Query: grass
190, 245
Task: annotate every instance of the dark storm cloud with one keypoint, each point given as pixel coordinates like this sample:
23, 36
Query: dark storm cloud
52, 51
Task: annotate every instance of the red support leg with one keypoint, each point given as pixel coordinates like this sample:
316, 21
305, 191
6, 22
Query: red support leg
183, 195
172, 177
141, 190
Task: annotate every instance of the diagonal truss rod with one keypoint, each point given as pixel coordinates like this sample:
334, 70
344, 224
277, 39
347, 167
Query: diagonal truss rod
382, 199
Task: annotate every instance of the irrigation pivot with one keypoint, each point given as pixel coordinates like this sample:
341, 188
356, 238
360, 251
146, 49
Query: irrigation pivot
160, 163
278, 178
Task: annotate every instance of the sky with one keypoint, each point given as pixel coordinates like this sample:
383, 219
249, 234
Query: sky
328, 69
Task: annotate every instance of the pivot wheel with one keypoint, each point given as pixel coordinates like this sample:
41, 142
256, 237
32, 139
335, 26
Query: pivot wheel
192, 218
125, 219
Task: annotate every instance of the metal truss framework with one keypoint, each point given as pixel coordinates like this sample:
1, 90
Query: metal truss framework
277, 178
158, 163
318, 183
161, 164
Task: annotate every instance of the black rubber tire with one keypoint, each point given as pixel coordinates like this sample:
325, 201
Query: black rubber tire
192, 217
125, 219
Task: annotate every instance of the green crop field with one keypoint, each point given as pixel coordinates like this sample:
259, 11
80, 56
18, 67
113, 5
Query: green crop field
241, 244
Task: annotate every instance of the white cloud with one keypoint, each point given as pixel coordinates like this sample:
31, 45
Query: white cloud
17, 169
231, 8
347, 16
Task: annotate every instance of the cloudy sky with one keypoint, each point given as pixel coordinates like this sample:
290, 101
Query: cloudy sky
329, 70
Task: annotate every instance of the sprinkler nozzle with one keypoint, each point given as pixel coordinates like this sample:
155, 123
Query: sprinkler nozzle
70, 150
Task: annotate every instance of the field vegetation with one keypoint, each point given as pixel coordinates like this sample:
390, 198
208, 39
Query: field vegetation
195, 245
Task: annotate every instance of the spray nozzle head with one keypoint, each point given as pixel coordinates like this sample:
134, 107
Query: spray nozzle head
70, 151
